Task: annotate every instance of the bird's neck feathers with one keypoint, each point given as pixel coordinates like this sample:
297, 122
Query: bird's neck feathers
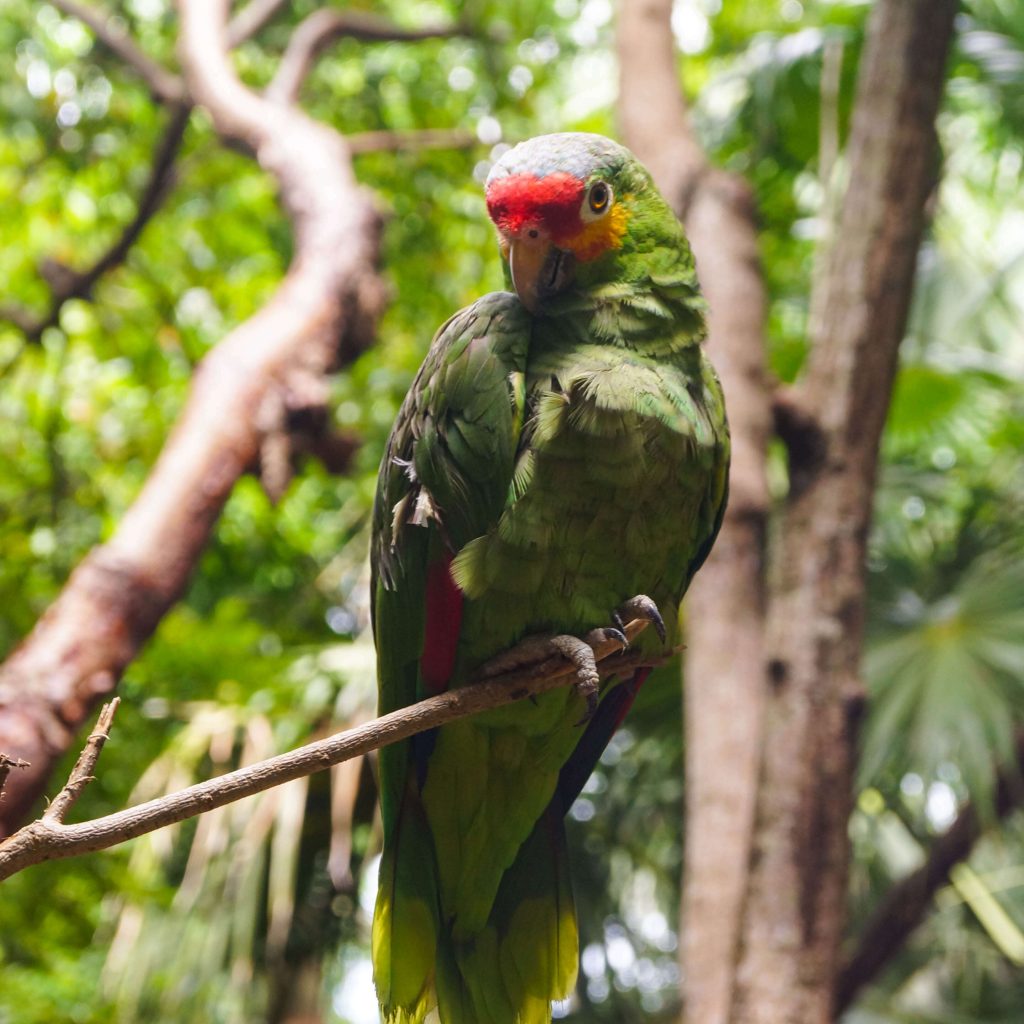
643, 295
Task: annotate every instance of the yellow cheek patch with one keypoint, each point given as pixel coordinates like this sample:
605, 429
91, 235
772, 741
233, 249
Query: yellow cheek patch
600, 235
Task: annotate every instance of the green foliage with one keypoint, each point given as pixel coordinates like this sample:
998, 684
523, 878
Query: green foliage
180, 926
945, 677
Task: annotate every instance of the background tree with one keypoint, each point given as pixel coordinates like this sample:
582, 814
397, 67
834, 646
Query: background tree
136, 241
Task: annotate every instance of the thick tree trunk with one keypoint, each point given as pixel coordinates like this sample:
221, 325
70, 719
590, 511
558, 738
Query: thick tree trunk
797, 898
724, 660
764, 902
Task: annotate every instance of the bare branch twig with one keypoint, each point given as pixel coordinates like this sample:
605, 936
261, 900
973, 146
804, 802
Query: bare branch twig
251, 19
68, 283
323, 27
48, 839
165, 86
6, 764
82, 773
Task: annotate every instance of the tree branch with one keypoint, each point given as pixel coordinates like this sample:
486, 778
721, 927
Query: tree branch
165, 86
6, 764
796, 908
316, 32
321, 316
427, 138
82, 773
66, 282
49, 839
251, 19
907, 903
726, 603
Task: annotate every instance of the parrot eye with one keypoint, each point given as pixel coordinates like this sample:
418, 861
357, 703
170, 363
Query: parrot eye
598, 201
599, 197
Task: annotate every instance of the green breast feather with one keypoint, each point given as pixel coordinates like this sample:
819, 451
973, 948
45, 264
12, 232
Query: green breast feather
560, 451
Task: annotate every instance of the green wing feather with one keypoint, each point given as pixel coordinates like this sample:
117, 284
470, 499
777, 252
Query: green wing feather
445, 477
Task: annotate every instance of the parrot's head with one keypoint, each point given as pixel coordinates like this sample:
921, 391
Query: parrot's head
565, 207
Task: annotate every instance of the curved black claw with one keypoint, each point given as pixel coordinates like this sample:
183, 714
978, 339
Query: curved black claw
620, 625
605, 633
641, 607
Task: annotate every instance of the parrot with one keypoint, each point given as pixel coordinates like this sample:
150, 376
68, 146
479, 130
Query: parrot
559, 464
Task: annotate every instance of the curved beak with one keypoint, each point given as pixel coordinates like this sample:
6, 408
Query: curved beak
539, 269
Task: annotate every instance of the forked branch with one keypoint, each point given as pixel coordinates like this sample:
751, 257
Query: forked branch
323, 27
6, 764
82, 774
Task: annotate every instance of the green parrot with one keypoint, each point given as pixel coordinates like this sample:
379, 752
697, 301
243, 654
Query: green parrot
562, 452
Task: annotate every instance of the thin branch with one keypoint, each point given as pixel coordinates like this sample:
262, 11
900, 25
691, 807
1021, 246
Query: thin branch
165, 86
66, 282
428, 138
48, 839
82, 773
251, 19
323, 27
907, 903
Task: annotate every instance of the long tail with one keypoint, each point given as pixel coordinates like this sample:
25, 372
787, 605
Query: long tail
405, 919
527, 955
508, 973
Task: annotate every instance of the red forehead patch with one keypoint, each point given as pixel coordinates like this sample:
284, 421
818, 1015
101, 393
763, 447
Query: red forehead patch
553, 201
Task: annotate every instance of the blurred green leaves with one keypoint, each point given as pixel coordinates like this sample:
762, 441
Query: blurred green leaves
259, 654
945, 678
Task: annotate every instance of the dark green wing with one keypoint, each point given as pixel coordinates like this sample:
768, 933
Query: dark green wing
453, 445
445, 479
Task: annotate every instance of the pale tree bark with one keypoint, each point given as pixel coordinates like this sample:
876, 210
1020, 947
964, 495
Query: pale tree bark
797, 897
245, 398
773, 668
724, 659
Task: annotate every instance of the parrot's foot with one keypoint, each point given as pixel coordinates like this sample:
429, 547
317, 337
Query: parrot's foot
581, 654
641, 607
580, 651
